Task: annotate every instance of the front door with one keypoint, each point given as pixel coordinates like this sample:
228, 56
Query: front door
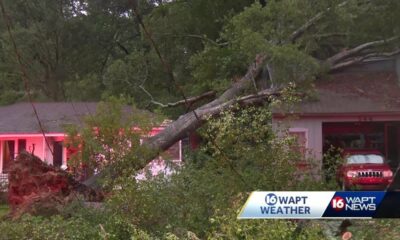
58, 154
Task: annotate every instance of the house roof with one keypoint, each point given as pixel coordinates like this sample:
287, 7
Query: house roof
367, 92
20, 117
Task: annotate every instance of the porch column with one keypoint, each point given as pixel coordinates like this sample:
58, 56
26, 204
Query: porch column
1, 156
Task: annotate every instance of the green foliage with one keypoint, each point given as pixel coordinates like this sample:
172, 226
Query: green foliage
85, 223
83, 50
182, 29
243, 141
207, 44
384, 228
249, 33
331, 161
242, 155
3, 206
63, 45
53, 228
227, 227
111, 137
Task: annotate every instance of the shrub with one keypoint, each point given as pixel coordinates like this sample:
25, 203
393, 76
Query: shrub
83, 224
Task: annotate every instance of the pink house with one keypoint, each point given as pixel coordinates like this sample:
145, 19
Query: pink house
356, 109
19, 130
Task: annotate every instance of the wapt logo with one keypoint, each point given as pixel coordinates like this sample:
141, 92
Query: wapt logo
354, 204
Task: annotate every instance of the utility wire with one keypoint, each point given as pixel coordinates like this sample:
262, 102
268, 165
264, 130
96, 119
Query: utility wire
169, 71
24, 74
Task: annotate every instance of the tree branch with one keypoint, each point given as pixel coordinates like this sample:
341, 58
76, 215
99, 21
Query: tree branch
189, 101
122, 47
300, 31
356, 50
195, 36
363, 59
330, 35
381, 56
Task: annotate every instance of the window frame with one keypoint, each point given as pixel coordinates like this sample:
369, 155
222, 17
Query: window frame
301, 130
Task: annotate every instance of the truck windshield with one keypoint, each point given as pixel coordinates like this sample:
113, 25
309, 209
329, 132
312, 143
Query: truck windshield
361, 159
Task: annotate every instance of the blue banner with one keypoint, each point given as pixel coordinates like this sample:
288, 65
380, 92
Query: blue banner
318, 205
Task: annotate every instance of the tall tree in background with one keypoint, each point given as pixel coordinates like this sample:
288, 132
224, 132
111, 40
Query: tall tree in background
181, 29
83, 50
39, 30
65, 45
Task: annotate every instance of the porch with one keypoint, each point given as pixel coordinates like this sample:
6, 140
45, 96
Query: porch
52, 152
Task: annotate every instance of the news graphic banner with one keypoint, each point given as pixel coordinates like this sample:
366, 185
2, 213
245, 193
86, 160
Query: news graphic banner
319, 205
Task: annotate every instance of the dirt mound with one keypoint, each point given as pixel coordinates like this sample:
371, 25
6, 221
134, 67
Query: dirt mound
40, 189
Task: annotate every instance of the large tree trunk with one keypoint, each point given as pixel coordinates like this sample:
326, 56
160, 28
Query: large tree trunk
39, 189
192, 120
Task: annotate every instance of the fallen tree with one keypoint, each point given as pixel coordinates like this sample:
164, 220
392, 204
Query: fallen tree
258, 71
245, 90
192, 120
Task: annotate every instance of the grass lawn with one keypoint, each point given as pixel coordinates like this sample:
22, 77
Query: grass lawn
3, 209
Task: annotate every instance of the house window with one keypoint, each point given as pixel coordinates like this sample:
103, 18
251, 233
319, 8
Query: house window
21, 145
300, 135
8, 154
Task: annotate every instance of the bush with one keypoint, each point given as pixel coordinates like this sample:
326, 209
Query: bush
83, 224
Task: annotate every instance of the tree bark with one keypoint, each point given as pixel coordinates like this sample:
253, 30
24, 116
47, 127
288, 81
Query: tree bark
341, 57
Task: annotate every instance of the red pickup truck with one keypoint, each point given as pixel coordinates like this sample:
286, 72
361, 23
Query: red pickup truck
364, 170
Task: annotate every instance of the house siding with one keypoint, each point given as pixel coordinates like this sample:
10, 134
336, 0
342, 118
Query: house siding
313, 125
314, 134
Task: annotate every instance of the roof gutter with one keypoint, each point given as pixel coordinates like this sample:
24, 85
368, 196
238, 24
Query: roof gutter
25, 135
337, 115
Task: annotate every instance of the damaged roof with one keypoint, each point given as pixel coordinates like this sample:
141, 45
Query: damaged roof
366, 92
